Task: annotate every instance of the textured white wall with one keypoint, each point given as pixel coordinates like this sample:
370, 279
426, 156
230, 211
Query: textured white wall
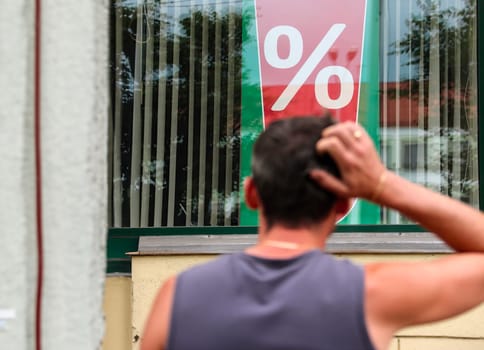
74, 139
74, 130
17, 210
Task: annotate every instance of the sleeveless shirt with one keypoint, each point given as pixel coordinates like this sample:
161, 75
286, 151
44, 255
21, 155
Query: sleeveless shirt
243, 302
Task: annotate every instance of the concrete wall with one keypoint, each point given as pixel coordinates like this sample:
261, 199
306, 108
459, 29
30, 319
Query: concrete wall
74, 137
17, 210
74, 130
465, 332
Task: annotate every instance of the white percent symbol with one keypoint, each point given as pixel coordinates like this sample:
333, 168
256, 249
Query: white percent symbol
294, 57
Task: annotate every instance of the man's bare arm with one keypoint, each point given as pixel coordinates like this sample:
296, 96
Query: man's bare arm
398, 294
401, 295
155, 333
459, 225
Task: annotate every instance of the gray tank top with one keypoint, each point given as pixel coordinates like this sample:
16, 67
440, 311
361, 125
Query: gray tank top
242, 302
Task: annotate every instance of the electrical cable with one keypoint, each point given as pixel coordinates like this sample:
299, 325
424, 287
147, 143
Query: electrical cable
38, 174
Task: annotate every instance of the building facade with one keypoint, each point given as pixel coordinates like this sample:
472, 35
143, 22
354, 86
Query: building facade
195, 82
127, 128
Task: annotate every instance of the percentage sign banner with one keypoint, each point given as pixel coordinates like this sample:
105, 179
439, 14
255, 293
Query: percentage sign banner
310, 55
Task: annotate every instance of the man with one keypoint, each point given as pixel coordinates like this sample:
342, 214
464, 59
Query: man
285, 292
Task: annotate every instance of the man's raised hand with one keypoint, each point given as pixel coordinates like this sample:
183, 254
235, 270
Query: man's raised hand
362, 172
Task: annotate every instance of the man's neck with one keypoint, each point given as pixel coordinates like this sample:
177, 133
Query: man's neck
280, 241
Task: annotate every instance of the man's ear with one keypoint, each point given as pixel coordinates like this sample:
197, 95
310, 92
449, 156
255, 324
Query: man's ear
250, 193
342, 207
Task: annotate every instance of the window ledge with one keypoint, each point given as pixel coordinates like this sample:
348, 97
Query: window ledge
339, 243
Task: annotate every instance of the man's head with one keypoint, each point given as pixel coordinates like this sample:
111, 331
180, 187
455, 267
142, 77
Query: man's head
282, 156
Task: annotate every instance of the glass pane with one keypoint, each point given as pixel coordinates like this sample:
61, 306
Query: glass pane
189, 90
176, 113
428, 97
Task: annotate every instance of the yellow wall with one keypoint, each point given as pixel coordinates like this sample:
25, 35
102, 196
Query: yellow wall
117, 313
465, 332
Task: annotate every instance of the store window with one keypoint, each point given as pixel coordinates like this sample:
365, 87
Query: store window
428, 94
176, 113
190, 95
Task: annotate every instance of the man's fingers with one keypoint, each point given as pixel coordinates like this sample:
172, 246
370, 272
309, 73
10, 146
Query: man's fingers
351, 134
330, 183
335, 148
344, 132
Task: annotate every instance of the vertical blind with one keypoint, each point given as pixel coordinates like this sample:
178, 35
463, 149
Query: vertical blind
176, 113
428, 113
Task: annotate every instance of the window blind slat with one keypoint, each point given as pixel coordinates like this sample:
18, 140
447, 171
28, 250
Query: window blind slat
137, 123
216, 116
230, 117
148, 119
203, 114
191, 116
174, 121
161, 120
116, 152
434, 114
471, 97
457, 172
421, 148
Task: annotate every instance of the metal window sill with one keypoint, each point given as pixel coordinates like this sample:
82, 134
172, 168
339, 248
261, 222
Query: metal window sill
339, 243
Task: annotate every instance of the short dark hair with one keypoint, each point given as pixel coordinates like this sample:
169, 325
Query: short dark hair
282, 157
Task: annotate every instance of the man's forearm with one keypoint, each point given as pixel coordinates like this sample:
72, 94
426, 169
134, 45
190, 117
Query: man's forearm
459, 225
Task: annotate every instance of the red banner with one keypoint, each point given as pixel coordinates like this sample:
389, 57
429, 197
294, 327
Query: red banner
310, 57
